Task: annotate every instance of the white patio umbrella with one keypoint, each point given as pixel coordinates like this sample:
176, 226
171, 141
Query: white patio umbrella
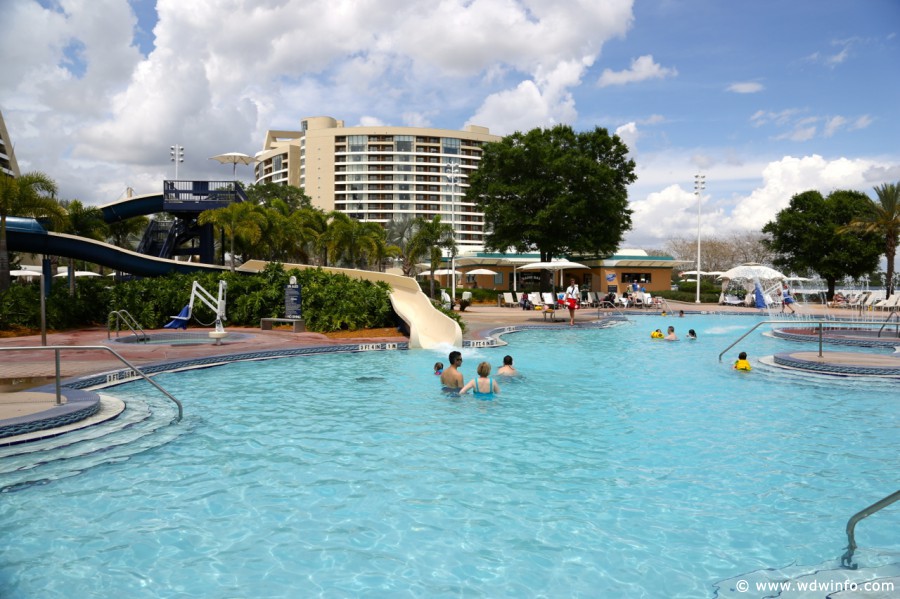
481, 271
442, 272
78, 273
24, 273
751, 271
234, 159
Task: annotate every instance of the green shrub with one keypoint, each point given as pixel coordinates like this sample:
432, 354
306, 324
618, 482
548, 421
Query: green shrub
330, 301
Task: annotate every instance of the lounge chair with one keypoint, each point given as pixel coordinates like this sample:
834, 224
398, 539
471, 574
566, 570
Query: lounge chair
732, 300
508, 300
889, 303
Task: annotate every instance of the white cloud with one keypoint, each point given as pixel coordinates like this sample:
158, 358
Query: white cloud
746, 87
221, 73
671, 209
642, 68
629, 134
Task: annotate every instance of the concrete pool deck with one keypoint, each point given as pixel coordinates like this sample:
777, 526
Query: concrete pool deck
22, 371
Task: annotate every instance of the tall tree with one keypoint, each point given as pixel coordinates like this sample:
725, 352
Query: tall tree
430, 239
400, 233
554, 191
127, 233
807, 236
30, 195
83, 221
264, 193
882, 218
354, 242
239, 221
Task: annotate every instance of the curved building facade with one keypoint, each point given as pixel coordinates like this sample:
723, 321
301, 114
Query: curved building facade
8, 164
379, 174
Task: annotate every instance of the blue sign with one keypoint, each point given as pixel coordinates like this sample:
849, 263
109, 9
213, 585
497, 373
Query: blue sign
611, 277
293, 301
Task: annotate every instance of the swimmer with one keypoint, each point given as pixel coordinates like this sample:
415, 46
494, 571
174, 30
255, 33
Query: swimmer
657, 334
451, 377
670, 334
483, 385
741, 363
691, 334
438, 368
507, 369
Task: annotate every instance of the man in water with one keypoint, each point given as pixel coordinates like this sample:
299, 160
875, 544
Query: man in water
452, 378
507, 368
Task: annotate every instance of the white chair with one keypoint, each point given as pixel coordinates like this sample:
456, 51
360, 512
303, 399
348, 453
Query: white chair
508, 300
446, 302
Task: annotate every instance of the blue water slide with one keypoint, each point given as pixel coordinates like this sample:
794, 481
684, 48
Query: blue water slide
131, 207
27, 235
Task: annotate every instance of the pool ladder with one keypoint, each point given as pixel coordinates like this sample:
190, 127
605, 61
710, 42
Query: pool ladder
847, 558
123, 317
134, 370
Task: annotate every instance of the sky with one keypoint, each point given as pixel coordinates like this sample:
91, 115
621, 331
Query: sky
764, 98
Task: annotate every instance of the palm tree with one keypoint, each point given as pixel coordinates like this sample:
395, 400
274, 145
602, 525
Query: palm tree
312, 226
126, 233
353, 241
240, 220
883, 219
430, 238
399, 234
84, 221
30, 195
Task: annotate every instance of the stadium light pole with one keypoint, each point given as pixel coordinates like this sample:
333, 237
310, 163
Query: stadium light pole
699, 186
176, 154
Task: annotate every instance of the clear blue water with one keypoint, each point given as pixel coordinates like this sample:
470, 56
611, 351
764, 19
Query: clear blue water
616, 466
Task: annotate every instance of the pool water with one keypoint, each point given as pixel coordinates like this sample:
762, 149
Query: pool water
616, 466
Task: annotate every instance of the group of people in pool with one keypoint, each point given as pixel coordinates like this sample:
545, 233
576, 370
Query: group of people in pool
670, 334
452, 379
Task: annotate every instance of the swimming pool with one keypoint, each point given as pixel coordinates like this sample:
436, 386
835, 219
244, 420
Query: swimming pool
616, 466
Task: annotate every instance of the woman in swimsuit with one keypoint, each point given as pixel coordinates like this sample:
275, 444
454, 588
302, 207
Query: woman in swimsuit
483, 385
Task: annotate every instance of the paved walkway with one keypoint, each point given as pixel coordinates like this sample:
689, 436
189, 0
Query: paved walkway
23, 370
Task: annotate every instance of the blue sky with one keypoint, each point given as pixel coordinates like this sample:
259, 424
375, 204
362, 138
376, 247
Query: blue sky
765, 98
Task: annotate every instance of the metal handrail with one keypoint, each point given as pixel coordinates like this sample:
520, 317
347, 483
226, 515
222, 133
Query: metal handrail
129, 320
846, 559
887, 320
819, 324
57, 348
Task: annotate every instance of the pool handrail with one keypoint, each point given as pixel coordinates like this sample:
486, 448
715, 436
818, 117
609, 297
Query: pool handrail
847, 558
888, 320
819, 325
57, 348
129, 320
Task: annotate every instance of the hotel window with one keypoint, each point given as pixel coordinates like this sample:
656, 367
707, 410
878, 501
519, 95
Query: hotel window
403, 143
451, 145
357, 142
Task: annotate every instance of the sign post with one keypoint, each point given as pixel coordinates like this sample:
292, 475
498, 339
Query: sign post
293, 300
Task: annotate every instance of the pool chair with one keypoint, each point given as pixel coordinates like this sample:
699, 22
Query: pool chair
446, 302
508, 300
732, 300
890, 303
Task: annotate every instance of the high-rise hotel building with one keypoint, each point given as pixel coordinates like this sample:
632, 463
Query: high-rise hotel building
8, 164
380, 174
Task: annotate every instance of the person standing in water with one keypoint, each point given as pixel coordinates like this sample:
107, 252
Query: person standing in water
451, 377
484, 385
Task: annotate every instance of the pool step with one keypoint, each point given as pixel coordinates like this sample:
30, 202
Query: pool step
827, 580
140, 427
